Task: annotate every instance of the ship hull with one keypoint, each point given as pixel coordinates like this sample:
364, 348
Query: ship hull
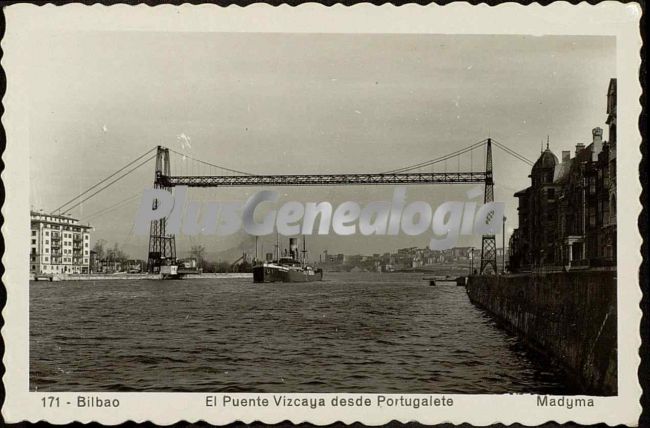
277, 274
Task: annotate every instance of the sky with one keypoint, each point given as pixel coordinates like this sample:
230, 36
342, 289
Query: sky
300, 103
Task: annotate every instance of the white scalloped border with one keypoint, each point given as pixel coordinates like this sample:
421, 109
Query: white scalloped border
456, 18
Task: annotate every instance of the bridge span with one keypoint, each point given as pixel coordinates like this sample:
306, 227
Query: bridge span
323, 179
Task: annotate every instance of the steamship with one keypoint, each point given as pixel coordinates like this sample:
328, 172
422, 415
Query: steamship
287, 269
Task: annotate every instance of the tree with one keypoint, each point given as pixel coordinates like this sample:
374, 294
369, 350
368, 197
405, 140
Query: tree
98, 248
223, 267
115, 254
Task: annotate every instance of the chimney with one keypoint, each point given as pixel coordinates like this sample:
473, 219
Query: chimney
597, 143
579, 147
566, 155
293, 248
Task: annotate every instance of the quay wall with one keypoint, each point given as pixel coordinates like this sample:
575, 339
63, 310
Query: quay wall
568, 317
139, 276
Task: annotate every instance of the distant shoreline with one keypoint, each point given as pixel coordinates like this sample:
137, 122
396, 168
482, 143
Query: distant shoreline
139, 276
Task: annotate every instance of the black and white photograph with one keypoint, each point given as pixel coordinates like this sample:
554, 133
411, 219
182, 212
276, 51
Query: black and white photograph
315, 219
316, 311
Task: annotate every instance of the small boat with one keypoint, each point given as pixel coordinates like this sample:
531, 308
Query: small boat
432, 279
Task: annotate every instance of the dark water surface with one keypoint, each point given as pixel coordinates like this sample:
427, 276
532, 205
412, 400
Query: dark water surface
350, 333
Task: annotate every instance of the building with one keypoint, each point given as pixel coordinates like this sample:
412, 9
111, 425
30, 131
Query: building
59, 244
567, 217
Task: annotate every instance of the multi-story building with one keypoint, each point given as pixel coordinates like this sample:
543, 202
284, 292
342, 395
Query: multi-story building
567, 217
59, 244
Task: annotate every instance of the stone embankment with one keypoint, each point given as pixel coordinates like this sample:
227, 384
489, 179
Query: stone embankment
569, 317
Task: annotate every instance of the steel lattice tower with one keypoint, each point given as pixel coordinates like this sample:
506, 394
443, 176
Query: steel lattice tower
162, 246
489, 245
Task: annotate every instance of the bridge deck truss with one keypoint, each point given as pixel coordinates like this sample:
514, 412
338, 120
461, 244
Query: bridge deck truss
323, 179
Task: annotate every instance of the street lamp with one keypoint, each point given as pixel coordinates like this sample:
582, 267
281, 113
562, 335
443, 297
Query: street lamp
503, 246
471, 260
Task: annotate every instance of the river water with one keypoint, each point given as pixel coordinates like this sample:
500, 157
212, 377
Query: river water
349, 333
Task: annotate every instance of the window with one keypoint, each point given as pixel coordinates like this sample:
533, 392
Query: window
33, 241
33, 233
47, 259
47, 241
47, 250
551, 194
47, 233
86, 245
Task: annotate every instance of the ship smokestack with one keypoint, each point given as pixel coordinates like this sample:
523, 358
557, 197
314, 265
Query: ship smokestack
293, 248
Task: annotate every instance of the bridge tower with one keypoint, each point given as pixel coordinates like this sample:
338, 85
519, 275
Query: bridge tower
162, 246
489, 245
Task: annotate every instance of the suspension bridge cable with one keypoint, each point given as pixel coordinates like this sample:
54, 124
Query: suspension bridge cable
517, 156
437, 160
499, 143
440, 159
513, 153
59, 209
431, 162
210, 164
110, 208
110, 184
460, 152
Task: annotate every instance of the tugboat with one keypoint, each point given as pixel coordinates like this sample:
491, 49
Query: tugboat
287, 269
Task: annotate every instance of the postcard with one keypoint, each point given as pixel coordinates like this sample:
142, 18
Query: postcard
322, 214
